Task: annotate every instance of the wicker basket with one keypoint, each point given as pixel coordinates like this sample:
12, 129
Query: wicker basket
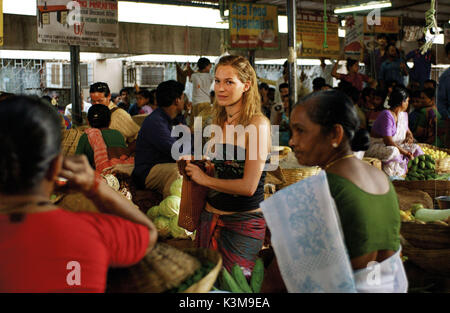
443, 165
434, 188
164, 268
139, 119
434, 261
207, 282
373, 161
293, 175
77, 202
70, 140
426, 236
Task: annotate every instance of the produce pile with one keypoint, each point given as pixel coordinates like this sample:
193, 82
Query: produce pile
435, 154
422, 168
417, 213
193, 279
237, 282
165, 215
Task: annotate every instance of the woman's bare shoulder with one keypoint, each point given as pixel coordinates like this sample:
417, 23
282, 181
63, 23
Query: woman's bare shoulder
259, 119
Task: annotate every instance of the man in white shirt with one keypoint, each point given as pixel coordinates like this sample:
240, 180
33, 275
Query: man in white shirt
201, 86
84, 107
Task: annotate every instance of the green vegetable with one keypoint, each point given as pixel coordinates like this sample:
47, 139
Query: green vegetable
415, 207
422, 165
422, 157
230, 282
175, 230
410, 164
153, 212
416, 161
257, 276
429, 215
170, 206
175, 188
162, 225
240, 279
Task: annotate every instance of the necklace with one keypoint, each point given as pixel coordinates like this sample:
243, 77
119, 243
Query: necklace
230, 116
342, 158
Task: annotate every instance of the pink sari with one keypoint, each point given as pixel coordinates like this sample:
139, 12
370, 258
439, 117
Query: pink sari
101, 158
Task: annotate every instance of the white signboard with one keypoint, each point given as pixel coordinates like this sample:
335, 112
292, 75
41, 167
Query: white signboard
92, 23
354, 34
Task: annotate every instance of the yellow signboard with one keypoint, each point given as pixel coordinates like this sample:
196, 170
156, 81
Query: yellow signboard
386, 25
253, 26
1, 22
311, 36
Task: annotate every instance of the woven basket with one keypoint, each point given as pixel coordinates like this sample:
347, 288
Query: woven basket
293, 175
443, 165
77, 202
434, 188
205, 255
408, 197
434, 261
139, 118
70, 140
426, 236
164, 268
373, 161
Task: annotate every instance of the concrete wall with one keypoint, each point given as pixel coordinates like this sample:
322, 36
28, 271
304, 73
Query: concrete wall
110, 72
20, 33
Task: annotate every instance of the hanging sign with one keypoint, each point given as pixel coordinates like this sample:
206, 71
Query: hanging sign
387, 25
310, 36
92, 23
354, 34
253, 26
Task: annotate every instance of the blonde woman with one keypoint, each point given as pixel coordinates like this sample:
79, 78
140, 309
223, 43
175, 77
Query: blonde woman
232, 221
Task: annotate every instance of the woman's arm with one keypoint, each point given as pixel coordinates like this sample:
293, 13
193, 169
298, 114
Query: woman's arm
254, 164
334, 72
388, 141
82, 177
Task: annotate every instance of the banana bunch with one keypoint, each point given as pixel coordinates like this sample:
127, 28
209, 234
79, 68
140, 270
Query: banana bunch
406, 216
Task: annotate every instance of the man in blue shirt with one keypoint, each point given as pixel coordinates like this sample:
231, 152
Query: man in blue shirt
155, 168
393, 69
443, 95
422, 64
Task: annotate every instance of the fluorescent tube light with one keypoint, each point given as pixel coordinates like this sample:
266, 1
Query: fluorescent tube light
363, 7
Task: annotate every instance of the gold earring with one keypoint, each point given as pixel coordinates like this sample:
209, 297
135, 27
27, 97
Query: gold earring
334, 145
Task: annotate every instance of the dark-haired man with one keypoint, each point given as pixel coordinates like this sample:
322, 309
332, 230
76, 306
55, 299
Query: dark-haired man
120, 119
155, 168
124, 99
266, 104
443, 97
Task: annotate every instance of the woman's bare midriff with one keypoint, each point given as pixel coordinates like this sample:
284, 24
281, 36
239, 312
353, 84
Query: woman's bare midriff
212, 209
378, 256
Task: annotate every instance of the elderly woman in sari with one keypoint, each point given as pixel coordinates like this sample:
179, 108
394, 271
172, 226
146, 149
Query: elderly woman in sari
349, 198
391, 140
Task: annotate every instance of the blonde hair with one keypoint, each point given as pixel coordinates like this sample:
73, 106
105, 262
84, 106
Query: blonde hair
251, 100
